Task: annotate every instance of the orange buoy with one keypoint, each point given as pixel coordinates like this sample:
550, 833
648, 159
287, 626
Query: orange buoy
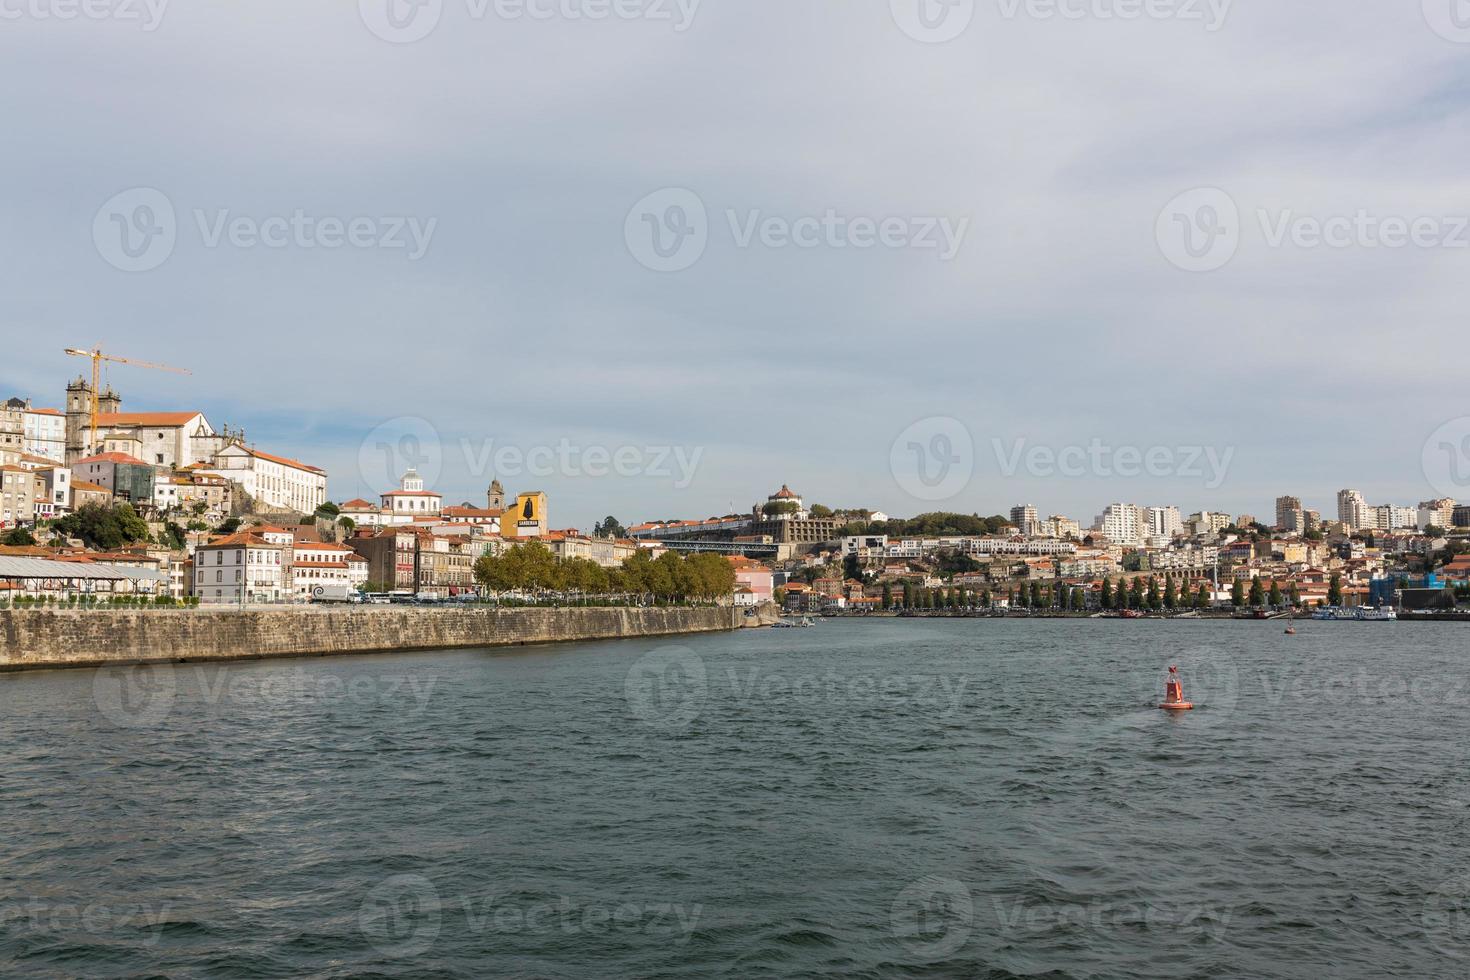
1174, 693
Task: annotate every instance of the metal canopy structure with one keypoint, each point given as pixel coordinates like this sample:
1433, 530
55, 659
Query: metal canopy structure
13, 569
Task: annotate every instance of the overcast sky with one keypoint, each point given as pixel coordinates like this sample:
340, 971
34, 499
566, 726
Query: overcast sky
993, 268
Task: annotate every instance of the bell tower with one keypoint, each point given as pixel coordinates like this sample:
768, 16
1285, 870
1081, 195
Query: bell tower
495, 497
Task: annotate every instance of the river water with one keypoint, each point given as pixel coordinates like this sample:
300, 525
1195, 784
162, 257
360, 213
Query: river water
882, 798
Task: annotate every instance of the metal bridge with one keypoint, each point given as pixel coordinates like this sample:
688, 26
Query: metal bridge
723, 547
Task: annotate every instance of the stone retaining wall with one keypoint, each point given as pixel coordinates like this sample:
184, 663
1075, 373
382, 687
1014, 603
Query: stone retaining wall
31, 639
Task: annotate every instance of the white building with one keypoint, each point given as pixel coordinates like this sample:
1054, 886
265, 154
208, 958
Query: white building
277, 482
1123, 523
1353, 510
1440, 513
244, 567
174, 439
1164, 522
320, 563
411, 500
45, 433
1026, 519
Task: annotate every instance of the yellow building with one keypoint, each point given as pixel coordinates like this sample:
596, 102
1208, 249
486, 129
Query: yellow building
526, 518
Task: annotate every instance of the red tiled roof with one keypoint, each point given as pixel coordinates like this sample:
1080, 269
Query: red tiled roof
111, 458
284, 461
358, 504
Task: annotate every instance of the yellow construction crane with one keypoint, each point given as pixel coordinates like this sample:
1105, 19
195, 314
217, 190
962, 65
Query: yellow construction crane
97, 358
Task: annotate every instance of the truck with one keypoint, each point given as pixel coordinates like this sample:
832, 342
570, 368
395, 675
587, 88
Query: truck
334, 592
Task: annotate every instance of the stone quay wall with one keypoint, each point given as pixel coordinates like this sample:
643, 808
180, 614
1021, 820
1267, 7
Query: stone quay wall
44, 639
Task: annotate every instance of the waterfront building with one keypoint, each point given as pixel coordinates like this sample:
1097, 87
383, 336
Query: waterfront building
391, 553
242, 568
323, 563
526, 518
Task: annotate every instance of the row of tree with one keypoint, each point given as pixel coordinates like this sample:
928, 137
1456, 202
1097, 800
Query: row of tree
532, 568
1138, 594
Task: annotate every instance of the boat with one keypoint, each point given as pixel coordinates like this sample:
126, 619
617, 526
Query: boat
1357, 614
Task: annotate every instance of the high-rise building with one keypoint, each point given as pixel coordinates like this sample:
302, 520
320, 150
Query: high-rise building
1065, 527
1353, 510
1289, 515
1123, 523
1025, 519
1163, 522
1440, 513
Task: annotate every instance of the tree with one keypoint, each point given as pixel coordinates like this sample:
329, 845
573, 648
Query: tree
887, 597
1334, 590
1171, 594
852, 568
1258, 594
18, 537
908, 595
1202, 597
1135, 594
1107, 593
1155, 599
609, 527
328, 511
1275, 598
1079, 600
102, 527
821, 510
1036, 596
772, 508
1294, 594
1237, 594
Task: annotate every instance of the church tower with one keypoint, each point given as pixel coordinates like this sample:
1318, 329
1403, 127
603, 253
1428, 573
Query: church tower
496, 496
78, 419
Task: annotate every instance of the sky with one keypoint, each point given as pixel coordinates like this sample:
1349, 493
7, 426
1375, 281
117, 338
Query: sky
659, 257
